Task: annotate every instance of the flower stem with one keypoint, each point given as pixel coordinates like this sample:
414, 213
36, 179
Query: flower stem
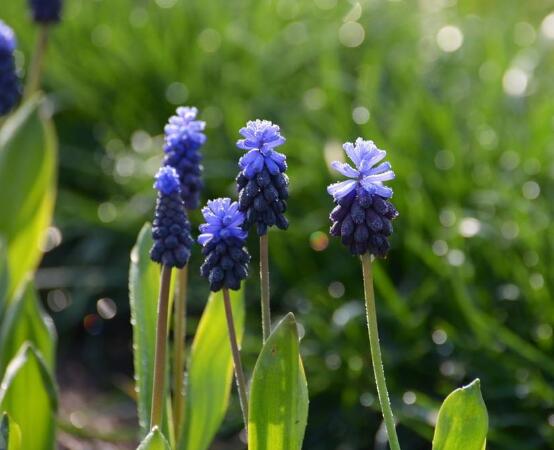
179, 330
376, 353
239, 373
35, 70
161, 347
264, 281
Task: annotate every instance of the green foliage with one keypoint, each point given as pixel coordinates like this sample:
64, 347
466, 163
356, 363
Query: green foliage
28, 153
154, 440
25, 321
28, 395
144, 282
278, 406
463, 421
10, 434
4, 275
210, 372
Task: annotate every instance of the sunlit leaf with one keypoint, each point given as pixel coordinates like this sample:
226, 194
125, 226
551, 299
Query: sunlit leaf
463, 421
24, 321
10, 434
144, 282
28, 395
278, 406
4, 275
28, 153
210, 374
154, 440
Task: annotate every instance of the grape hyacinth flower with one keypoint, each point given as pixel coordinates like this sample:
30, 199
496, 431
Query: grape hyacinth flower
223, 237
10, 88
225, 266
262, 182
363, 215
184, 136
362, 218
171, 228
46, 11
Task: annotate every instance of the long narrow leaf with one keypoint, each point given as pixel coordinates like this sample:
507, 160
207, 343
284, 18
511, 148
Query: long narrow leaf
28, 395
4, 276
10, 434
24, 321
278, 407
28, 152
210, 373
463, 421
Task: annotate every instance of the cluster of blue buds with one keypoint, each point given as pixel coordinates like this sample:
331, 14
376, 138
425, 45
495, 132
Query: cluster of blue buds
363, 215
10, 86
171, 228
46, 11
184, 136
223, 238
262, 183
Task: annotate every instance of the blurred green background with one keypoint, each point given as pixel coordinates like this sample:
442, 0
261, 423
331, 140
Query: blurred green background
458, 92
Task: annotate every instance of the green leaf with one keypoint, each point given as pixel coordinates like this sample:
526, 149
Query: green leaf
144, 282
463, 421
28, 395
26, 321
28, 153
155, 440
210, 374
4, 275
10, 434
278, 406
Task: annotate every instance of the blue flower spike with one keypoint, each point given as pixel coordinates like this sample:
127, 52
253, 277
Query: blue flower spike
46, 11
363, 213
10, 85
184, 136
171, 229
262, 183
223, 238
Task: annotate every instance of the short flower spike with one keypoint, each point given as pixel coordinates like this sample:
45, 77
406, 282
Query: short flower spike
46, 11
171, 228
10, 86
363, 215
223, 237
262, 182
184, 136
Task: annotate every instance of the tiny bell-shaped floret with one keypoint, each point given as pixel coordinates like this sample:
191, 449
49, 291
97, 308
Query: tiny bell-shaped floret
46, 11
262, 183
363, 214
171, 228
222, 236
10, 86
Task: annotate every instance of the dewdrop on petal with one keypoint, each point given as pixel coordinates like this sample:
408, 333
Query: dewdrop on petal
171, 228
363, 215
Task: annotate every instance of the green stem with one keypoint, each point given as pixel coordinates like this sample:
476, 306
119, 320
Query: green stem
376, 353
264, 282
37, 63
161, 348
239, 373
179, 330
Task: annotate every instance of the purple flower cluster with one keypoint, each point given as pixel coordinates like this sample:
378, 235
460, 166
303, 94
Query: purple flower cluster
262, 183
171, 228
223, 238
184, 137
10, 86
46, 11
363, 215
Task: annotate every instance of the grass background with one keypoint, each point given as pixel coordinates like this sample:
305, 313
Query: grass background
466, 291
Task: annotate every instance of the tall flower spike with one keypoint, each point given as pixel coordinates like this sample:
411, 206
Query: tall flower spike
363, 215
10, 86
262, 183
46, 11
171, 228
184, 137
222, 236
